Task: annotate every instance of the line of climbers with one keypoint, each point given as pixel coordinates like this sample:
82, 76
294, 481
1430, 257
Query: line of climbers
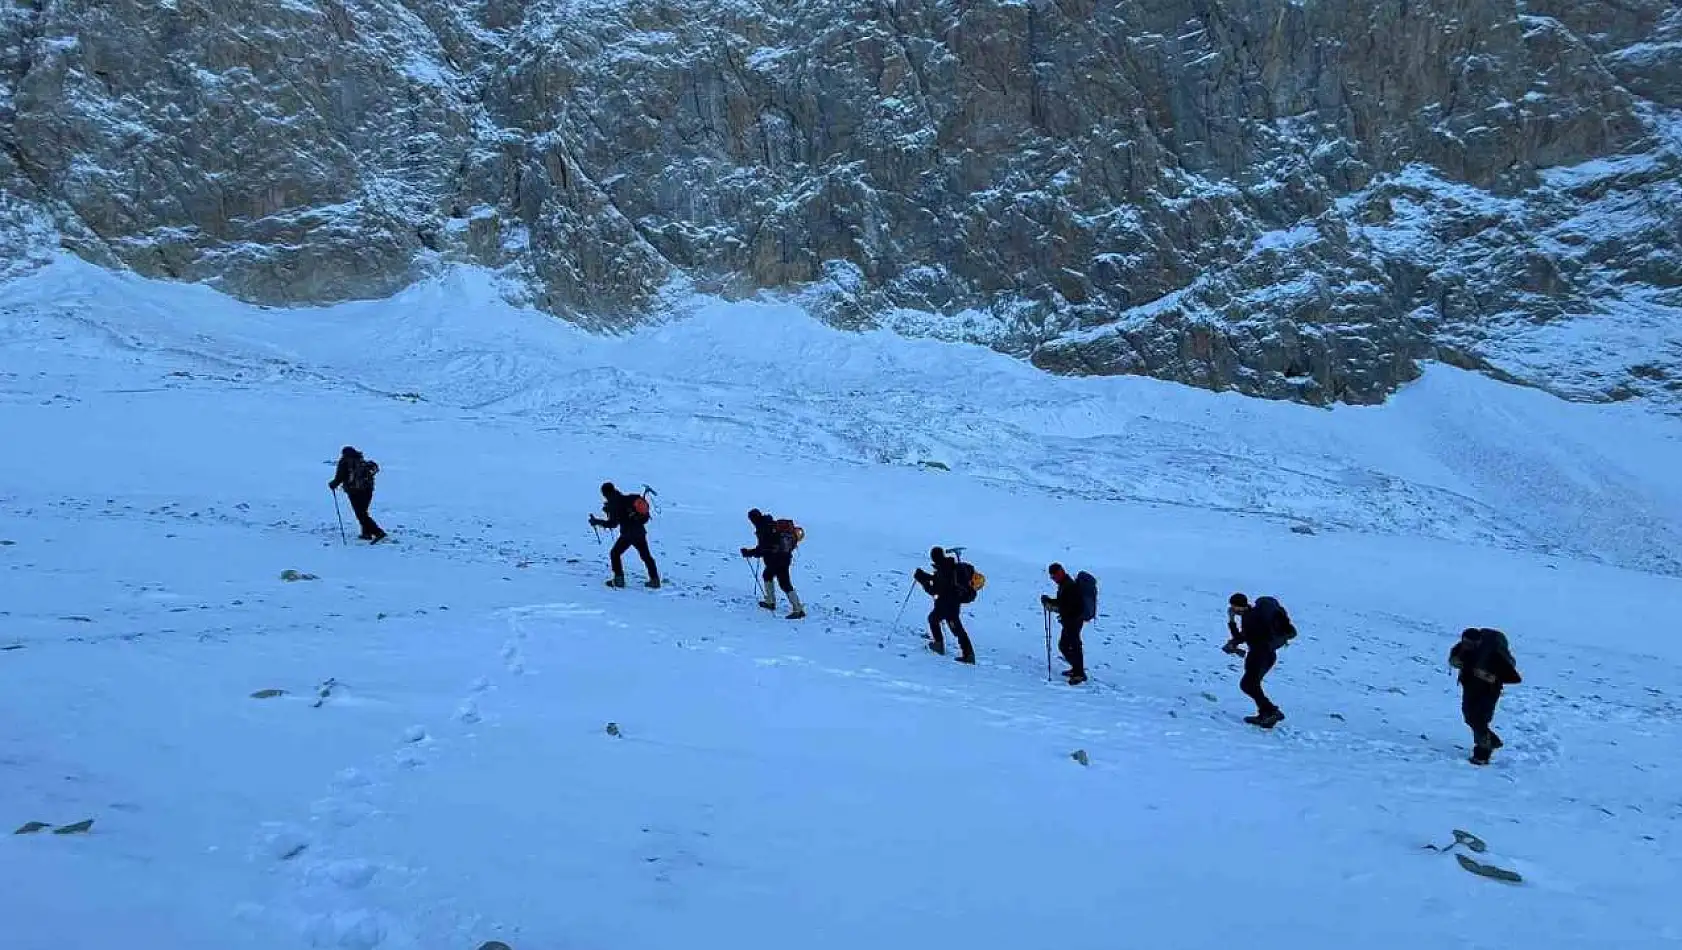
1256, 631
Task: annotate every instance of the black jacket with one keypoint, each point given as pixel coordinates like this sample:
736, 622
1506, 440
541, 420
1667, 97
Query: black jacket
1484, 660
621, 515
1261, 625
766, 542
1069, 604
943, 583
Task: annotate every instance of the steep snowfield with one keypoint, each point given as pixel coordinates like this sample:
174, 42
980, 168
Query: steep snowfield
821, 784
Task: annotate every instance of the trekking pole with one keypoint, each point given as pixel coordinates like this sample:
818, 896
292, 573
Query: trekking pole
901, 615
754, 583
1050, 675
341, 516
598, 533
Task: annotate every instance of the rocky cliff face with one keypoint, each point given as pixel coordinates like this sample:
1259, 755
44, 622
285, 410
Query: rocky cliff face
1290, 198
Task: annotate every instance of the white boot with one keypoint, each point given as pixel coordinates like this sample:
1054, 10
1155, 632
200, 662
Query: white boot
799, 610
770, 601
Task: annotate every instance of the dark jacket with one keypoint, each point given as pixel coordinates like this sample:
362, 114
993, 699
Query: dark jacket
943, 583
348, 467
766, 541
1068, 602
621, 515
1262, 625
1484, 660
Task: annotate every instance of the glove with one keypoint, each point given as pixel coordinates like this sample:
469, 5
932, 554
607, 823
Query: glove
1233, 648
1046, 601
596, 522
747, 552
920, 574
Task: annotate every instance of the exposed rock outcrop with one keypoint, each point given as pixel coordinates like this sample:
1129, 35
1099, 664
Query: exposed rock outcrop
1296, 200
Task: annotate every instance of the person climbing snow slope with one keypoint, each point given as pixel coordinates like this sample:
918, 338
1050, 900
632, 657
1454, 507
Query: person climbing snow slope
356, 474
775, 541
944, 586
630, 515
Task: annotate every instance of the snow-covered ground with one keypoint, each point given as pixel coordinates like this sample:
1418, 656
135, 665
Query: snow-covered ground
820, 784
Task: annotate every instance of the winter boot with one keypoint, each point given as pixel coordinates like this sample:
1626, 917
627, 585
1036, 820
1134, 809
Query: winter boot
937, 646
770, 600
1075, 679
1494, 741
968, 658
617, 580
653, 583
799, 610
1480, 755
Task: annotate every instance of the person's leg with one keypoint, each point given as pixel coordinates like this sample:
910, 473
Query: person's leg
955, 620
641, 544
1070, 646
359, 502
616, 557
1256, 666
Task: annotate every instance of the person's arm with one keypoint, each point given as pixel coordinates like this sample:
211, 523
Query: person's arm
340, 473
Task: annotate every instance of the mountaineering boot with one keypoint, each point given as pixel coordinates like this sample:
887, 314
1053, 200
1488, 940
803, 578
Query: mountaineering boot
617, 580
1075, 679
770, 601
798, 611
1480, 755
968, 658
653, 583
937, 646
1494, 741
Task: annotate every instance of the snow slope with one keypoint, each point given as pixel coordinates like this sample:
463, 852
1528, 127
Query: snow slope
826, 784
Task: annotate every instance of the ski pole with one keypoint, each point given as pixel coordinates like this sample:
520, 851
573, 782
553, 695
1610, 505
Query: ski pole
1049, 670
598, 532
754, 584
341, 516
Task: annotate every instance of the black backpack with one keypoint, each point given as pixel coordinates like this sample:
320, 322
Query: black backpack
360, 477
1088, 586
1283, 630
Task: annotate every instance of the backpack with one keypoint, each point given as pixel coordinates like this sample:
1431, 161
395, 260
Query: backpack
788, 534
1088, 586
640, 509
969, 580
1283, 630
360, 477
1491, 658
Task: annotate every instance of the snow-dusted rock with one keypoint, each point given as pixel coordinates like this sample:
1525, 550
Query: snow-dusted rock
1296, 200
